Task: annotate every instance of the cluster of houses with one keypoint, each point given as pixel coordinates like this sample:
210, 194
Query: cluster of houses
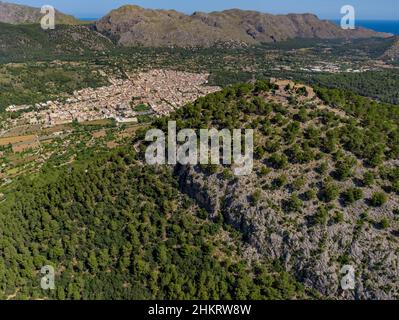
161, 90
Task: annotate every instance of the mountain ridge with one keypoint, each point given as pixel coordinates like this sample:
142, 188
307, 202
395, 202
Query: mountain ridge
132, 25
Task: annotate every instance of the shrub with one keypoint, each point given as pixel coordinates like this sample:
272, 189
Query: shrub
264, 171
256, 197
280, 182
384, 223
368, 179
298, 183
395, 186
278, 161
210, 169
339, 217
344, 169
294, 204
378, 199
375, 159
310, 194
260, 152
227, 174
262, 86
303, 115
329, 192
322, 168
352, 195
302, 91
321, 216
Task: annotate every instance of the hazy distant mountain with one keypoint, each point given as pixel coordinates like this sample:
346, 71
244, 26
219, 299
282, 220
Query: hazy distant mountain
19, 14
132, 25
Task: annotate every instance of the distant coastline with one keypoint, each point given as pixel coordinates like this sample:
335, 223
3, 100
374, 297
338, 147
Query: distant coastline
390, 26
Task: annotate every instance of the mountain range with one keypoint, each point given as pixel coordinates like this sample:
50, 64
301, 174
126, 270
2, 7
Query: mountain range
132, 25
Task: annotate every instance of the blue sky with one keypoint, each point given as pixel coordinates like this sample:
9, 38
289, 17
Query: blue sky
326, 9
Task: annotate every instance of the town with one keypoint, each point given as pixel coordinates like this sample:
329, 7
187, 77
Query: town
157, 92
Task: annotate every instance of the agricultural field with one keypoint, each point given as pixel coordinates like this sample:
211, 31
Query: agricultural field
58, 146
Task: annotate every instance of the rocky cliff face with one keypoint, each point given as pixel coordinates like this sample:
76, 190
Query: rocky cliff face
133, 25
19, 14
313, 253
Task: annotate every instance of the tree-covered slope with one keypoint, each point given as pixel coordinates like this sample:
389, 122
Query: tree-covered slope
324, 190
115, 229
30, 42
323, 194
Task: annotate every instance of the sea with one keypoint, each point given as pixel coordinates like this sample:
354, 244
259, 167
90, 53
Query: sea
390, 26
88, 19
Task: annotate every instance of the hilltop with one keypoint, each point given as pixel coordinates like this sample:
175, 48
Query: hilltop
324, 192
132, 25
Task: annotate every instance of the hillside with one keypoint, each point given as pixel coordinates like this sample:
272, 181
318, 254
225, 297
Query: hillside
29, 42
323, 194
393, 51
133, 25
20, 14
115, 229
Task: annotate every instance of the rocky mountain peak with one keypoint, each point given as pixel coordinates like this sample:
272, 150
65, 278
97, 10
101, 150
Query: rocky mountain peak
134, 25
